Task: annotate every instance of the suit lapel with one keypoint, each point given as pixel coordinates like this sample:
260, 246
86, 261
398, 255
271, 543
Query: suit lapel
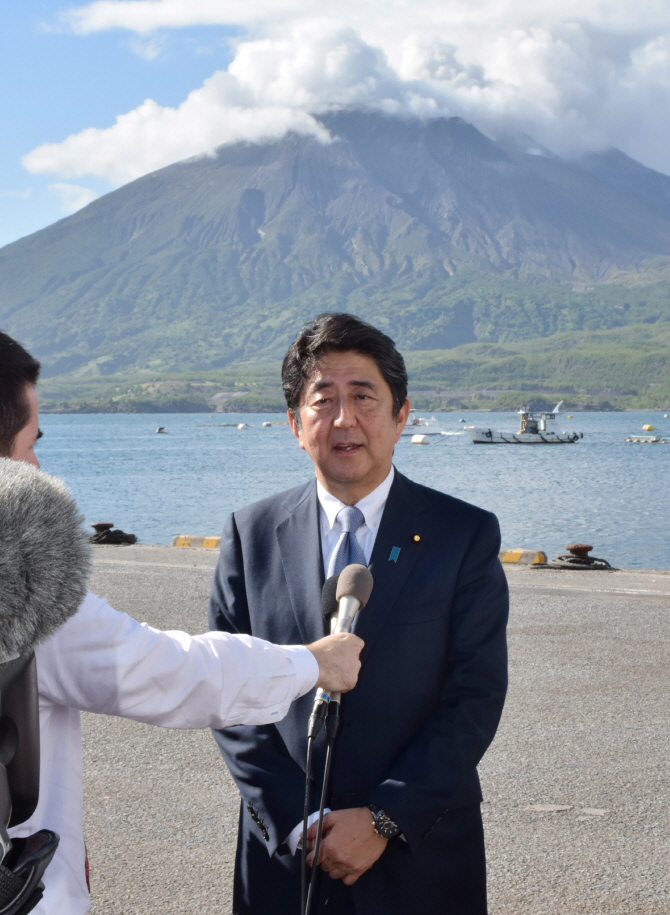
405, 515
297, 536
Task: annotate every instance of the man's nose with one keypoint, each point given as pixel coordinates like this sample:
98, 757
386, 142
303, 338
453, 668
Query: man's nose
346, 415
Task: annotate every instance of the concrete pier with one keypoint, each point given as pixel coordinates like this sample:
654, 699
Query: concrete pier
576, 782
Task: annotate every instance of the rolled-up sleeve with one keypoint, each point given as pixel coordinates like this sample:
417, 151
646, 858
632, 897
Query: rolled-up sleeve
106, 662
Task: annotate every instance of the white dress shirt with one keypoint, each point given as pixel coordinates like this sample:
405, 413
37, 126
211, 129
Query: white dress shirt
372, 507
104, 661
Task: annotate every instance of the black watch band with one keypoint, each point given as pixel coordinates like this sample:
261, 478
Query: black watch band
382, 823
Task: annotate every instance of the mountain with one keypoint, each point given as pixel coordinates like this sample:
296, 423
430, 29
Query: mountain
429, 228
625, 368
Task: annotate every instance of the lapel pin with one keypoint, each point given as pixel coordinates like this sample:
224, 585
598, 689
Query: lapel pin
416, 538
395, 552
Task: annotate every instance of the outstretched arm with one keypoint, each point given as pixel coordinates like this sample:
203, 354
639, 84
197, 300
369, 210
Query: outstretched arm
104, 661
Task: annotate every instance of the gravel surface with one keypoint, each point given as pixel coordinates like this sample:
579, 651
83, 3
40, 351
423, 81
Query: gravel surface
585, 728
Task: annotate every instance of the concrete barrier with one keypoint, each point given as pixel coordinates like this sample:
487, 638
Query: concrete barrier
207, 543
523, 557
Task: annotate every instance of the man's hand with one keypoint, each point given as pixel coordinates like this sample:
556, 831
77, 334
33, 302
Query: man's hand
337, 657
349, 844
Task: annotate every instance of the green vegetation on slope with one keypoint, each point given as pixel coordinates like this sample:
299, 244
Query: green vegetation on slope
623, 368
417, 312
502, 309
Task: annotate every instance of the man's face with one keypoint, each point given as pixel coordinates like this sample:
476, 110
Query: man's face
347, 425
24, 442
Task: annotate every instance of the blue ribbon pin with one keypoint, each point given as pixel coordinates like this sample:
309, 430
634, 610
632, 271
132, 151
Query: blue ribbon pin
395, 552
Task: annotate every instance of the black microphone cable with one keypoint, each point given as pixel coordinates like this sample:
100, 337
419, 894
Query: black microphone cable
332, 727
305, 821
341, 598
316, 720
329, 608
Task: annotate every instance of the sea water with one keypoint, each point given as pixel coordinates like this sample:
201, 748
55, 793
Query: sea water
602, 490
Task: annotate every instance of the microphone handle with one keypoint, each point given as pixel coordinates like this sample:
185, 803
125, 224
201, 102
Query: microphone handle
347, 609
339, 622
342, 621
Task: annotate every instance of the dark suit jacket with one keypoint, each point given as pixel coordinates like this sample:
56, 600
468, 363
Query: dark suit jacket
422, 715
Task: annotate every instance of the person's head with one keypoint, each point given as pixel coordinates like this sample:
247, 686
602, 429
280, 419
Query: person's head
19, 429
345, 385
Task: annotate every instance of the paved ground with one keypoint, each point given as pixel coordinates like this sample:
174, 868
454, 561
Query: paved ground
585, 728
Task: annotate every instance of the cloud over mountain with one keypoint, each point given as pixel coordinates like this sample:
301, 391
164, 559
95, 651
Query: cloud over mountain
576, 76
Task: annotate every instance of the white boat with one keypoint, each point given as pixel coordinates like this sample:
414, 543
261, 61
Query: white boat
420, 425
533, 430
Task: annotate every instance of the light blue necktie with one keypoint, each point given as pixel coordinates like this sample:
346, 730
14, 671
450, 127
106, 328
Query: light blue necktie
348, 548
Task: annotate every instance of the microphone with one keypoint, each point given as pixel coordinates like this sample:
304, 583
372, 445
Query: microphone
342, 597
329, 606
44, 557
322, 698
354, 588
44, 566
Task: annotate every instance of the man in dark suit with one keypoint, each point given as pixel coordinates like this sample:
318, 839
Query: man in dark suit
404, 834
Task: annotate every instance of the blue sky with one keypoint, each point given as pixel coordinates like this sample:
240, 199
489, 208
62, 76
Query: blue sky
56, 83
97, 94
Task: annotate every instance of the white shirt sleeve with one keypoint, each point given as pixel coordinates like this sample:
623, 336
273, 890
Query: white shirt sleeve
294, 839
104, 661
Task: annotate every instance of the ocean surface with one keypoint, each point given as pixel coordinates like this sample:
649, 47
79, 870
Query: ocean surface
602, 490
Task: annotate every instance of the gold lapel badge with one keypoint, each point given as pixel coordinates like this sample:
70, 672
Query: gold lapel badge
416, 538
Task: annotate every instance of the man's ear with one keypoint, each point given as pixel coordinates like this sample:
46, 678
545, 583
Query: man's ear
295, 427
401, 419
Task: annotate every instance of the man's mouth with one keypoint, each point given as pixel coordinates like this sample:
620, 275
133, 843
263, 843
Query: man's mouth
346, 447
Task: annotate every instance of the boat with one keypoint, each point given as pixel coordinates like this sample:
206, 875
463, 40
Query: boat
419, 424
162, 430
533, 430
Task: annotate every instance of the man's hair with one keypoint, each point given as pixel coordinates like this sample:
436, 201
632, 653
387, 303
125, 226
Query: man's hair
341, 333
18, 369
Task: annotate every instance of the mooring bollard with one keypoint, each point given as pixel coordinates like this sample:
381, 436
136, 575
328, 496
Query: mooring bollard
106, 536
578, 558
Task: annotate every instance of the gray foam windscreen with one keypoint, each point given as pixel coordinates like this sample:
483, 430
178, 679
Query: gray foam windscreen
44, 557
355, 581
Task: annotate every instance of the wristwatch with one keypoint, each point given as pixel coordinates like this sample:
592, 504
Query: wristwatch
382, 823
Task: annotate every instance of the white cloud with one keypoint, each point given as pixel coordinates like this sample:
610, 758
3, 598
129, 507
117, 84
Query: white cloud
21, 195
574, 74
144, 16
72, 196
386, 16
151, 136
148, 47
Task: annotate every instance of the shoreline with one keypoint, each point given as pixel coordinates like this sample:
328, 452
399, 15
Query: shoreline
85, 411
205, 557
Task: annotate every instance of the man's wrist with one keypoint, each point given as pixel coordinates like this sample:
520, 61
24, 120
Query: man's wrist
382, 823
294, 839
305, 668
